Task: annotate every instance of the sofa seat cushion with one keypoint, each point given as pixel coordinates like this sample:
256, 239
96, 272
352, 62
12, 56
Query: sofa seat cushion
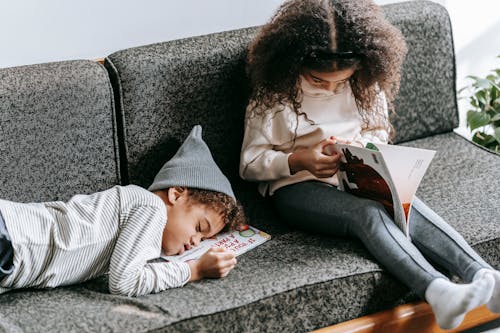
294, 282
461, 185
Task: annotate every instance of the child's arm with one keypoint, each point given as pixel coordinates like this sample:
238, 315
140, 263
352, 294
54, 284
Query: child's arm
258, 160
139, 241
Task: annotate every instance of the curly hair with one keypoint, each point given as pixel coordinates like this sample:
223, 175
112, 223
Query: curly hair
301, 30
231, 211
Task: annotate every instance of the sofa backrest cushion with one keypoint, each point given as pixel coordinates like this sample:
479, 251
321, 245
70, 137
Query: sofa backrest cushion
426, 103
164, 89
57, 131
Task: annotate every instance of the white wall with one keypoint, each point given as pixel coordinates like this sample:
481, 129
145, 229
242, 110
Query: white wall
476, 34
34, 31
476, 29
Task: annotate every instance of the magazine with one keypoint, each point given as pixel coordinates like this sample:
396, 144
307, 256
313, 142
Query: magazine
386, 173
239, 241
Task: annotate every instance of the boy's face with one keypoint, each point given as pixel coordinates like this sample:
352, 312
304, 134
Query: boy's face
187, 222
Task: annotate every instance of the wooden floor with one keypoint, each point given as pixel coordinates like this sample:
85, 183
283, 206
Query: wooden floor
408, 318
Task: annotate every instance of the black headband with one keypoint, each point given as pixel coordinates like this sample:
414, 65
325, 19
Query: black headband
322, 54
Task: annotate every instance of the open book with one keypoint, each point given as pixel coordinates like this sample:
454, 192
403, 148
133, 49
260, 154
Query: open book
239, 241
388, 174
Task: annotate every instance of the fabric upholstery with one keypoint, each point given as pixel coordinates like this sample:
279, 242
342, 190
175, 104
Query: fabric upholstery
57, 133
165, 89
307, 281
293, 283
426, 103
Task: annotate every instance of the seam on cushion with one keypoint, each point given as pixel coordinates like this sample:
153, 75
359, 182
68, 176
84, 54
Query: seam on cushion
121, 132
481, 242
476, 144
114, 123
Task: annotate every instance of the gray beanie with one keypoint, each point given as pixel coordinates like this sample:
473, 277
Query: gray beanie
192, 166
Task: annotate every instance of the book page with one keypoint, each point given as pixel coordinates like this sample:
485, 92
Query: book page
237, 241
407, 166
364, 173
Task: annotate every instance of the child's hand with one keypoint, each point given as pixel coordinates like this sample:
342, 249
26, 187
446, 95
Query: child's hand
337, 140
316, 159
215, 263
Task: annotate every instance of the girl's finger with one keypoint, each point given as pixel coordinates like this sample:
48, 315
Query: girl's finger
329, 166
325, 174
326, 159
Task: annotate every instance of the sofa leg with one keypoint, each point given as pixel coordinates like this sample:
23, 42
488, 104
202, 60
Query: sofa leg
408, 318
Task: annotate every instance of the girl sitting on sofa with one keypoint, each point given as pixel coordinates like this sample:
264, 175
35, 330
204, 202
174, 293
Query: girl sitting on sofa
324, 71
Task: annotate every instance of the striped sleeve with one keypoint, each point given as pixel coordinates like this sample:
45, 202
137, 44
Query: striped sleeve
139, 241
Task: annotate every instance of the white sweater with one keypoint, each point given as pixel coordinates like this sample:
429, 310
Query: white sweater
268, 138
118, 230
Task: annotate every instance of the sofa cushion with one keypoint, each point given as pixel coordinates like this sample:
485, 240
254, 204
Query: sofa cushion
293, 283
57, 131
426, 103
462, 186
165, 89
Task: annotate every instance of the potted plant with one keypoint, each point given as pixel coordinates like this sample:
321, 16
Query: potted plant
483, 118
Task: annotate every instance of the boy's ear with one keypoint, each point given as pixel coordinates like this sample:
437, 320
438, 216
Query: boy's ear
176, 193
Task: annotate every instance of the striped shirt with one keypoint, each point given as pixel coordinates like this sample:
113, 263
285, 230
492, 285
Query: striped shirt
118, 231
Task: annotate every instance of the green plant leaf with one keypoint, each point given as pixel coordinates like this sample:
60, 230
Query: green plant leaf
494, 93
483, 83
497, 134
494, 85
491, 78
473, 102
483, 139
477, 119
495, 117
481, 97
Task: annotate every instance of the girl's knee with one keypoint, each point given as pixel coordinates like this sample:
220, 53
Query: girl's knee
370, 216
371, 210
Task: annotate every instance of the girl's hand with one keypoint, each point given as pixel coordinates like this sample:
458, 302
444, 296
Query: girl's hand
215, 263
352, 143
315, 160
340, 140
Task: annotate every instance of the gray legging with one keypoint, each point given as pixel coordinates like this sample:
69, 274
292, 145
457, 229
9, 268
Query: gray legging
321, 208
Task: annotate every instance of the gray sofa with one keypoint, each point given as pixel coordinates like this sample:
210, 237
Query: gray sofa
79, 127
